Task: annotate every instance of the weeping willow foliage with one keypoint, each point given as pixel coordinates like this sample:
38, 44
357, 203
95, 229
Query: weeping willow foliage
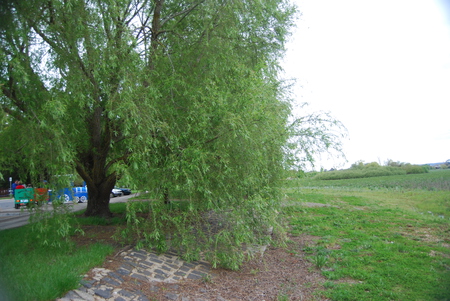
179, 98
221, 131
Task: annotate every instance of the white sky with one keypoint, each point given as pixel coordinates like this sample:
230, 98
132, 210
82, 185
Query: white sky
383, 69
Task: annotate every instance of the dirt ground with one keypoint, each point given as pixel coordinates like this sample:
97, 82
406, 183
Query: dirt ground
280, 274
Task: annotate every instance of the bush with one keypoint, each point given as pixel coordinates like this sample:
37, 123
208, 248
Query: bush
414, 169
366, 172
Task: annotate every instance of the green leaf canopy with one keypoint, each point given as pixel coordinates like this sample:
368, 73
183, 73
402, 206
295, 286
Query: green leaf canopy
167, 93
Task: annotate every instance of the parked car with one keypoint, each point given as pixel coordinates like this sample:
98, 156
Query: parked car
116, 192
125, 191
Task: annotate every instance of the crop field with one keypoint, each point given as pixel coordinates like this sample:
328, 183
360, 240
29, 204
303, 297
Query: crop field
384, 238
435, 180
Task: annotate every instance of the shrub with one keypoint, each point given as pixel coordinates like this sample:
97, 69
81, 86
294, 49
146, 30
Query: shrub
366, 172
414, 169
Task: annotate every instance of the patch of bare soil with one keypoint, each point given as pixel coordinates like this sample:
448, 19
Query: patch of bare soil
280, 274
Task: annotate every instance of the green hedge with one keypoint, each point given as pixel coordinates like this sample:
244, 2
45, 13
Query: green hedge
370, 171
415, 169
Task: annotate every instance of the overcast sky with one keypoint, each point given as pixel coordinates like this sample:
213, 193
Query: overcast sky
380, 67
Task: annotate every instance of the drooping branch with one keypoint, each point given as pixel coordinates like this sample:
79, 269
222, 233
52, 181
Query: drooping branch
183, 13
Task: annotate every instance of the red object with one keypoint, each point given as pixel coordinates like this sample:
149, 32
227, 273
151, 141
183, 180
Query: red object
20, 186
41, 194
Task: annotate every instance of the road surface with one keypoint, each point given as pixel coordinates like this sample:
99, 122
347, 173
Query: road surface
13, 218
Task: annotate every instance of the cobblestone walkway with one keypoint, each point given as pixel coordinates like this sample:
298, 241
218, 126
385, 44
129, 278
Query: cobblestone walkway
144, 267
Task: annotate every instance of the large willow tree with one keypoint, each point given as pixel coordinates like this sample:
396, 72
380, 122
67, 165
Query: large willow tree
175, 95
184, 91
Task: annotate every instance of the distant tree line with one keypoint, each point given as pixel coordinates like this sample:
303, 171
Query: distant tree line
360, 169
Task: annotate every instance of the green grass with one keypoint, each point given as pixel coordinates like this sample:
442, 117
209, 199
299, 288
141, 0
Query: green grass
385, 238
435, 180
32, 271
376, 244
118, 209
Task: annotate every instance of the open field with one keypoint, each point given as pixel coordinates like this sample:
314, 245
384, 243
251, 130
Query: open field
435, 180
385, 238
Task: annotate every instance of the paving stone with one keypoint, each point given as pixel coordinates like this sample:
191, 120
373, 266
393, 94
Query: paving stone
133, 264
160, 277
127, 266
171, 296
198, 273
205, 265
189, 265
139, 276
155, 260
111, 281
71, 295
142, 252
193, 276
106, 293
159, 272
141, 296
146, 264
138, 255
185, 268
143, 267
123, 272
173, 265
178, 273
126, 293
115, 276
84, 295
147, 273
87, 284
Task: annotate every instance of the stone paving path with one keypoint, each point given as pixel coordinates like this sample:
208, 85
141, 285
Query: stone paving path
144, 267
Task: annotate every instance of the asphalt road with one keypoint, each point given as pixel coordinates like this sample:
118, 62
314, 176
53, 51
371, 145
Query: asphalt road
13, 218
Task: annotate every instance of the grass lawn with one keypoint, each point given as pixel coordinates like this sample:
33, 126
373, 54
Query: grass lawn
376, 243
32, 271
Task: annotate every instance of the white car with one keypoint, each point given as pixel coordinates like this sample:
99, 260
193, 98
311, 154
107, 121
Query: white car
116, 192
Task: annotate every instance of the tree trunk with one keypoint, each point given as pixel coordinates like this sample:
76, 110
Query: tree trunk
98, 201
93, 170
